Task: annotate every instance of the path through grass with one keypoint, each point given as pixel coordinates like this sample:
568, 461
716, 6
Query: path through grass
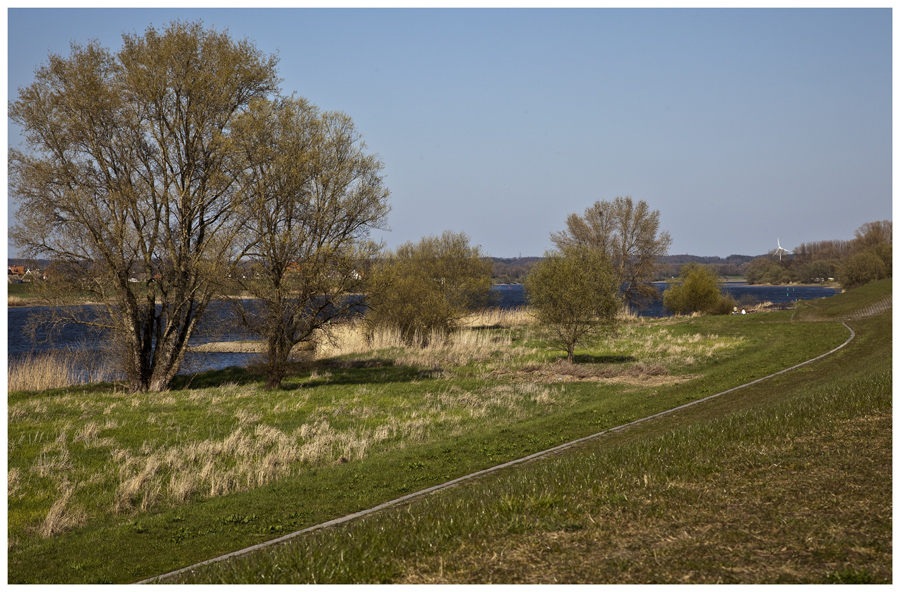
107, 486
795, 490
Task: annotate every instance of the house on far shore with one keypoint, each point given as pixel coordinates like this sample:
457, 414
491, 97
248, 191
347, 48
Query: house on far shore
16, 272
19, 273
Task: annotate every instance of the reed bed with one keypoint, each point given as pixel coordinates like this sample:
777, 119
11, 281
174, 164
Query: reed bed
55, 369
19, 301
437, 348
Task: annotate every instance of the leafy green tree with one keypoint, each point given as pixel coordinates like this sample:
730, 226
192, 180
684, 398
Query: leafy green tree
815, 271
129, 173
428, 287
765, 270
314, 195
861, 268
576, 293
697, 289
871, 255
628, 235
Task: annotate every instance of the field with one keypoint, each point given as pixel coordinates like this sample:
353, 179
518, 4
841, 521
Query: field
785, 481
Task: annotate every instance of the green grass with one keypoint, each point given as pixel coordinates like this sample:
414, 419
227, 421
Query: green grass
125, 487
794, 489
749, 498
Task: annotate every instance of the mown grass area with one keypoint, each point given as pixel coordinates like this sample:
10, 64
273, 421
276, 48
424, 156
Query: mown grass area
794, 489
108, 486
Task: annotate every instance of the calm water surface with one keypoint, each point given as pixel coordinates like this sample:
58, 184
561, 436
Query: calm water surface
513, 295
19, 342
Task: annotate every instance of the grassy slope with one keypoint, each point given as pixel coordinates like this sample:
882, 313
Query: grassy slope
126, 549
795, 488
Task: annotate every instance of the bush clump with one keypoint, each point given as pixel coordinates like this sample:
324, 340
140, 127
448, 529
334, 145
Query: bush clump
425, 288
697, 290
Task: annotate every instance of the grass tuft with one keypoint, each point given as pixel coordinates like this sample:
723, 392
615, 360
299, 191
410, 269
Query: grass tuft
62, 515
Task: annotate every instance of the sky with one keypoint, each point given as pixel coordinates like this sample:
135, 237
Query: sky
742, 127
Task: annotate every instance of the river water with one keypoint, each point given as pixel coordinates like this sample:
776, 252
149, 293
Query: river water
513, 295
79, 338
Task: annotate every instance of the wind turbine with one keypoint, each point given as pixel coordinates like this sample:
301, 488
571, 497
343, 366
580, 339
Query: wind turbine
781, 249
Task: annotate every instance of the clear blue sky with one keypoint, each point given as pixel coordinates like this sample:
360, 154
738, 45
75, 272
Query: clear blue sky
740, 126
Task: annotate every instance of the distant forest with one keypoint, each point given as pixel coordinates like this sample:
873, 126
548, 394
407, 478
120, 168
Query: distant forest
513, 270
865, 258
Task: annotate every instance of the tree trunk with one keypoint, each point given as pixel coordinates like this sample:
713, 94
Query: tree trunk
276, 362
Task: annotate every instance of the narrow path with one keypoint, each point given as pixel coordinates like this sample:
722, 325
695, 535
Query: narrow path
457, 481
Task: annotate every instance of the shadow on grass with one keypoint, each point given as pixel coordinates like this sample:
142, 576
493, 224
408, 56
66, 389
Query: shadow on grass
215, 378
589, 359
337, 371
306, 374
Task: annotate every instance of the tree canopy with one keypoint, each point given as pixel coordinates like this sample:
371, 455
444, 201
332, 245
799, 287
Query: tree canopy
428, 287
314, 195
130, 172
575, 293
628, 234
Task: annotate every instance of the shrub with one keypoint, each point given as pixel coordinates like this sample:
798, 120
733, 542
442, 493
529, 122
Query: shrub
697, 290
863, 267
428, 287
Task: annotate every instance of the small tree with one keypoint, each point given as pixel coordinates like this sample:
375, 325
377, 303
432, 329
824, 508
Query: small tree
314, 195
575, 293
697, 289
628, 235
861, 268
428, 286
871, 255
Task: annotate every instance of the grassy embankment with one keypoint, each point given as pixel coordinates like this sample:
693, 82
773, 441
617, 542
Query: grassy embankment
19, 295
762, 485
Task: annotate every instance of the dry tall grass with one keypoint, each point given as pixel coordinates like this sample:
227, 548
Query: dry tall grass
62, 516
466, 344
56, 369
37, 372
18, 301
255, 454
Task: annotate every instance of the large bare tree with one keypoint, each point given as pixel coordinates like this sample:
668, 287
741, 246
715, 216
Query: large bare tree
315, 194
629, 235
129, 172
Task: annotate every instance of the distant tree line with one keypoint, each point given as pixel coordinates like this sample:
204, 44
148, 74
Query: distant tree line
513, 270
731, 266
865, 258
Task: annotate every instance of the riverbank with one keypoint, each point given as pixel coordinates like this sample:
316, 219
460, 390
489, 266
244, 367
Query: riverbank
110, 486
242, 347
829, 285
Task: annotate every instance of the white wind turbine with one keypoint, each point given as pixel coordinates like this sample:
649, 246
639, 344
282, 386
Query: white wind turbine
781, 250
